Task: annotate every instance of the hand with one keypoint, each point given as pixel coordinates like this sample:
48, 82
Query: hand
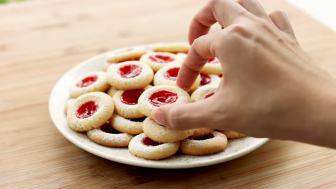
270, 88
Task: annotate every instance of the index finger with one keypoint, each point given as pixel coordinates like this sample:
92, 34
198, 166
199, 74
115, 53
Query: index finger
225, 12
201, 50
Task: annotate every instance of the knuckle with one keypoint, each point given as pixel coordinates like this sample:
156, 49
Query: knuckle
238, 31
277, 12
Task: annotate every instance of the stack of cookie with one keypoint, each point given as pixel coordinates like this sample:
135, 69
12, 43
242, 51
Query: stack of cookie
115, 106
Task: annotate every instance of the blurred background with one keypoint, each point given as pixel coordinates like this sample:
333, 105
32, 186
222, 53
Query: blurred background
321, 10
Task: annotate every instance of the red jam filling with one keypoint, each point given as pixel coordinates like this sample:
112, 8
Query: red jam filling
107, 128
122, 51
205, 79
221, 75
87, 81
138, 119
149, 142
171, 74
213, 61
87, 109
131, 97
161, 58
205, 137
130, 71
209, 95
162, 97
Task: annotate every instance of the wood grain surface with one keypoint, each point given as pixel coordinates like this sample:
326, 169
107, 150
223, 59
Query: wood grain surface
41, 40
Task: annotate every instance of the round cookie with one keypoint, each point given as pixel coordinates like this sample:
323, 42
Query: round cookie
168, 75
68, 104
127, 54
130, 75
143, 147
179, 47
209, 80
126, 103
107, 136
158, 60
201, 132
203, 92
232, 134
205, 145
93, 82
130, 126
161, 95
162, 134
90, 111
213, 66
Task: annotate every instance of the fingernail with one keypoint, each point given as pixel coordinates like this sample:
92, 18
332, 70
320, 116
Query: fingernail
158, 116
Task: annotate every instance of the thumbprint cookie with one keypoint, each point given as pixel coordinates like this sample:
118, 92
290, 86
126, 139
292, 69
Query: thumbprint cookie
232, 134
203, 92
162, 134
158, 60
130, 126
179, 47
127, 54
93, 82
90, 111
160, 95
209, 144
168, 75
105, 135
130, 75
144, 147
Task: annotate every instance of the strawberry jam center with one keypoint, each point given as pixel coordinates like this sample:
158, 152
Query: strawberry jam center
213, 61
87, 109
107, 128
220, 75
205, 79
131, 97
171, 74
209, 95
149, 142
161, 58
87, 81
130, 71
162, 97
205, 137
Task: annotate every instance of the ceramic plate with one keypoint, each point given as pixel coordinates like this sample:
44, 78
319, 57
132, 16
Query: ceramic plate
60, 94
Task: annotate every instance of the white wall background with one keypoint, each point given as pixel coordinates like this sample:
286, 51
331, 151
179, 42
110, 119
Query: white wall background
322, 10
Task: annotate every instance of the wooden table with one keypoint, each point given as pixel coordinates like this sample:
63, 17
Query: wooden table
41, 40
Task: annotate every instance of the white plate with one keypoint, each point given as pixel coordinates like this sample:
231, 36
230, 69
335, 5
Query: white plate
60, 94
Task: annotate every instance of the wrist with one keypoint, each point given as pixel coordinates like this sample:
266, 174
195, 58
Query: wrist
316, 121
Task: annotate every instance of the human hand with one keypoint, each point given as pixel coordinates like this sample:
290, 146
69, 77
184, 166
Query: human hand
270, 88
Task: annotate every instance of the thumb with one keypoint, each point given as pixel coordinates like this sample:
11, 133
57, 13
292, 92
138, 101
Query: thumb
186, 116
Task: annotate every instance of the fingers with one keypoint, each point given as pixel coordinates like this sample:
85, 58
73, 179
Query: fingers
281, 21
201, 23
254, 7
201, 50
225, 12
186, 116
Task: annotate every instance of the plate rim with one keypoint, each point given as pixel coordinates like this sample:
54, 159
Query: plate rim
150, 163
